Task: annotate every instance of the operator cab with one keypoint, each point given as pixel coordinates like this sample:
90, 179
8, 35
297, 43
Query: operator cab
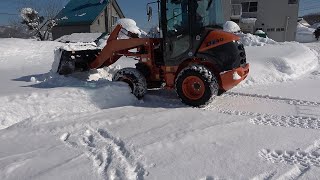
184, 25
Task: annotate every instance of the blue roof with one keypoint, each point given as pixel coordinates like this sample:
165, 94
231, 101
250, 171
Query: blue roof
81, 12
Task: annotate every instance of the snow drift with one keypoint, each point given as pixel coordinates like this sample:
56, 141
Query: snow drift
86, 97
84, 92
279, 62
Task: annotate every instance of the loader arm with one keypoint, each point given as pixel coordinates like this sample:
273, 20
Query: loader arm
116, 48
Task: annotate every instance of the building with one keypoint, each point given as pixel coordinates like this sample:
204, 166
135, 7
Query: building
278, 18
87, 16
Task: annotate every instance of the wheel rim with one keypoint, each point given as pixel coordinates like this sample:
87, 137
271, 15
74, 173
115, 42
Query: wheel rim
193, 87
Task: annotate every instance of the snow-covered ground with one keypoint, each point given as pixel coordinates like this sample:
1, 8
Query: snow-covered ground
86, 127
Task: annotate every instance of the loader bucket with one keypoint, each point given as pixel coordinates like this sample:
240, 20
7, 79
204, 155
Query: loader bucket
76, 61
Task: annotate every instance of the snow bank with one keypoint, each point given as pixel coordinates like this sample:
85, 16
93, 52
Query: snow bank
83, 92
26, 53
305, 34
253, 40
231, 26
80, 96
279, 62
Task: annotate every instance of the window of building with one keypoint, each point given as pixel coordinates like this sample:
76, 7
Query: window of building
282, 29
114, 20
293, 2
99, 21
249, 6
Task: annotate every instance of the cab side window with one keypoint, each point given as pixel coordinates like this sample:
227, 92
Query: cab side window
177, 16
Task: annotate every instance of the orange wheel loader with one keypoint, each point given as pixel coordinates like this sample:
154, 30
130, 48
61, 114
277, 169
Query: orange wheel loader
193, 55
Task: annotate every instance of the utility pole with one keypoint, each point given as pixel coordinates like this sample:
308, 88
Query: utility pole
110, 16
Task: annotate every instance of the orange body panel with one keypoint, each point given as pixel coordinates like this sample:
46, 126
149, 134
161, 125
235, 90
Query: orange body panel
217, 38
170, 73
145, 54
227, 80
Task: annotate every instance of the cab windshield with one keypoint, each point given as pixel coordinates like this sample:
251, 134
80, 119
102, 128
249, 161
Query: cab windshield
209, 13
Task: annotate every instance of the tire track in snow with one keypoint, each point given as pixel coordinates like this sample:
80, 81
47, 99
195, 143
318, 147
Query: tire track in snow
286, 100
291, 157
109, 155
276, 120
303, 160
287, 121
265, 176
305, 119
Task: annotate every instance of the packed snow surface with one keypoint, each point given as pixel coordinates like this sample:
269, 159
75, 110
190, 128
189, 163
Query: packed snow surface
231, 26
86, 127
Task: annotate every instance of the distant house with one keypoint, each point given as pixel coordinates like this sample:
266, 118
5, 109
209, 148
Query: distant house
278, 18
87, 16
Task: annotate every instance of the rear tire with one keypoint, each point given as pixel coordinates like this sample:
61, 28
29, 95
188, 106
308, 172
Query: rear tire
135, 80
196, 86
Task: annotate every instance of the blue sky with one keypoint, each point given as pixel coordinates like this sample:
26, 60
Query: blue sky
135, 9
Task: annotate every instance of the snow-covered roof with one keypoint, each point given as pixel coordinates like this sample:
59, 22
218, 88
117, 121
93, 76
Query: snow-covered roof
83, 12
70, 14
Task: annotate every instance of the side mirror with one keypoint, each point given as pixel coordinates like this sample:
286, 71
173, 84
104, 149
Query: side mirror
149, 13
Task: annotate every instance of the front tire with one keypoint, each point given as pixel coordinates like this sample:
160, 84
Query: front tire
196, 86
134, 79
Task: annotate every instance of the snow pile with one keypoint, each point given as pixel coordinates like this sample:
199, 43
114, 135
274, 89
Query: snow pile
83, 97
253, 40
305, 34
26, 53
279, 62
83, 92
231, 26
131, 26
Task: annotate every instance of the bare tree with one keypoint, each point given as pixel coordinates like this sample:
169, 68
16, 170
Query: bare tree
48, 10
312, 18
